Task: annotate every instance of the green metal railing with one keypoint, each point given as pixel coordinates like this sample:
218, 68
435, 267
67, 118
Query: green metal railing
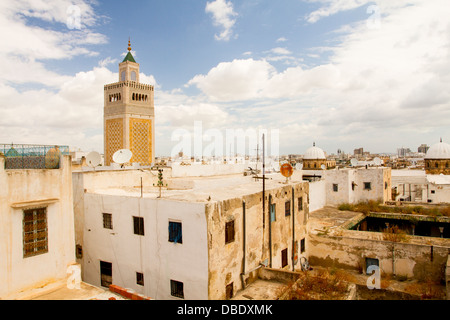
27, 156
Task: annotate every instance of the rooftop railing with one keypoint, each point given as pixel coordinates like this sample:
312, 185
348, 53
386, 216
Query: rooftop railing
27, 156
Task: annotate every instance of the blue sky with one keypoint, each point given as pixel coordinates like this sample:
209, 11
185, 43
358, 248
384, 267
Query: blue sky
342, 73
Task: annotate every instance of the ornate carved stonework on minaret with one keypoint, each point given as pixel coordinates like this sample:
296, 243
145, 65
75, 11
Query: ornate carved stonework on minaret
129, 115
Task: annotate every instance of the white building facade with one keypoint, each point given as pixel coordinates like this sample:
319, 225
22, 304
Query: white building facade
36, 227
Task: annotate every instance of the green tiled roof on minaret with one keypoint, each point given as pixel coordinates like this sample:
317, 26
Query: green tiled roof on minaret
129, 56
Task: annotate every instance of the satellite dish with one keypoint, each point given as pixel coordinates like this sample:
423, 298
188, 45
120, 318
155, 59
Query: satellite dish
323, 167
286, 170
354, 162
299, 166
122, 156
377, 161
93, 159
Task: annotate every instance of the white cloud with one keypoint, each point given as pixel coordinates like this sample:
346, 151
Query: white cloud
281, 51
282, 39
393, 78
61, 109
236, 80
223, 16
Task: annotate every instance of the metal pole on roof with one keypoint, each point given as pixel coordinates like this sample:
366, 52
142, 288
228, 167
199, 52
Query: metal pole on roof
264, 184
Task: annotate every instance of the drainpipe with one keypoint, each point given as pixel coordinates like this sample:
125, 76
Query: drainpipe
244, 244
270, 231
293, 230
264, 185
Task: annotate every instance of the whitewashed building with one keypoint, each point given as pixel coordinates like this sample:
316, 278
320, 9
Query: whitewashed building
203, 239
36, 225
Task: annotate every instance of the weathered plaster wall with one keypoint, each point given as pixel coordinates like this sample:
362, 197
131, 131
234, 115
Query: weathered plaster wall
25, 189
405, 259
230, 257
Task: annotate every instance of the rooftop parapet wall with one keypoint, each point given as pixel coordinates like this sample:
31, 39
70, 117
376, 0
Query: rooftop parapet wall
33, 156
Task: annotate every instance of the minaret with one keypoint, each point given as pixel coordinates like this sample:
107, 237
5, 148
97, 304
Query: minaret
129, 115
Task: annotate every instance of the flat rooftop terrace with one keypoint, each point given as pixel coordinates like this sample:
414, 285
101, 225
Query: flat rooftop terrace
203, 189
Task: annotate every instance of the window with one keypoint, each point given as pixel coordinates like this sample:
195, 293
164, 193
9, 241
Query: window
353, 185
229, 291
433, 191
302, 245
229, 232
79, 251
133, 76
140, 278
385, 185
335, 187
175, 232
300, 204
122, 76
138, 223
287, 208
371, 262
176, 289
284, 258
35, 232
107, 221
367, 186
273, 214
105, 273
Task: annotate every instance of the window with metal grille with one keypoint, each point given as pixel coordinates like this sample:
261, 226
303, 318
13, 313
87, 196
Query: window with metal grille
284, 258
105, 274
229, 232
287, 208
140, 278
107, 221
35, 232
176, 289
138, 223
175, 232
273, 214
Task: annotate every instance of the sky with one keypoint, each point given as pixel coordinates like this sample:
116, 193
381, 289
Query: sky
342, 74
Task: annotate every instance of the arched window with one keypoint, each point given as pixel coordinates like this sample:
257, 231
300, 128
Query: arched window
133, 76
437, 165
132, 97
122, 76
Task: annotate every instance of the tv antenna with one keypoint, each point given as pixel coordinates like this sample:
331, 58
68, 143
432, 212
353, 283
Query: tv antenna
122, 156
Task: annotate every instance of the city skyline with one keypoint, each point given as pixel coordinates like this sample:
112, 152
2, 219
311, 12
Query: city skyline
342, 74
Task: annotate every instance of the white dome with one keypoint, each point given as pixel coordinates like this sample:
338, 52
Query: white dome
440, 150
314, 153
